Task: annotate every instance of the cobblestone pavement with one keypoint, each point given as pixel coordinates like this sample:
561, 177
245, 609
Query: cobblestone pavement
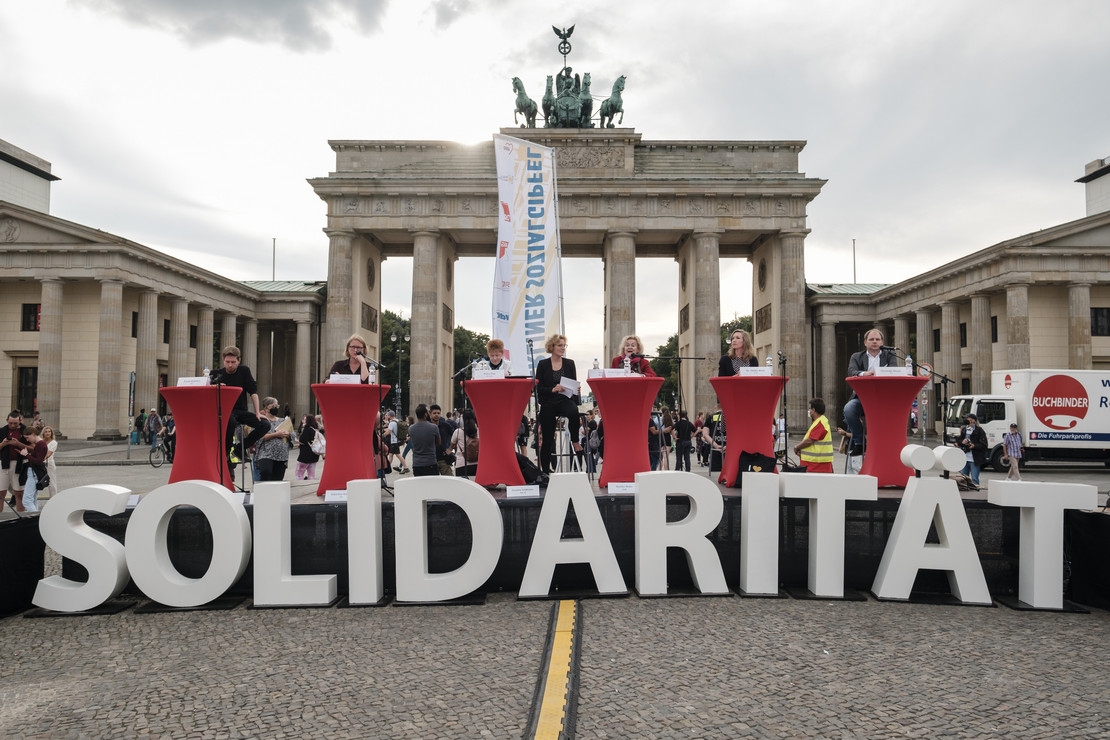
667, 668
672, 668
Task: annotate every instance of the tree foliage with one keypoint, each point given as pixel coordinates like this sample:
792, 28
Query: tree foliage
395, 370
668, 369
468, 346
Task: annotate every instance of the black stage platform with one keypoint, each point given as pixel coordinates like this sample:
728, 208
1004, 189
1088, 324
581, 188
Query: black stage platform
319, 546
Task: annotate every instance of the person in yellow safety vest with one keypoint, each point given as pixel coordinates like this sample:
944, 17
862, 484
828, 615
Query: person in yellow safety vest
816, 450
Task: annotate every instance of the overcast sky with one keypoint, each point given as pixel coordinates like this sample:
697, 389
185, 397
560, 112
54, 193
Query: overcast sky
191, 126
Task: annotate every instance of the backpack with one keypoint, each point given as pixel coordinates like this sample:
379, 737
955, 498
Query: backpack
528, 469
472, 449
595, 440
402, 431
319, 444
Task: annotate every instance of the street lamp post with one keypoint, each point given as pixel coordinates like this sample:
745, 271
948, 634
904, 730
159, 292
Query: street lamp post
400, 354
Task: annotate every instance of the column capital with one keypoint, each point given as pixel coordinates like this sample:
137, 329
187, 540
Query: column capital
340, 232
424, 232
800, 233
703, 233
1079, 284
631, 233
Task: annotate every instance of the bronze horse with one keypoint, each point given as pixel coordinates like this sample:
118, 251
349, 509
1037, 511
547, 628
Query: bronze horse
524, 104
613, 105
548, 104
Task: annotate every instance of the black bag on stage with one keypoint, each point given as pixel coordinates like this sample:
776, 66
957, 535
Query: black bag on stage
716, 460
528, 469
753, 462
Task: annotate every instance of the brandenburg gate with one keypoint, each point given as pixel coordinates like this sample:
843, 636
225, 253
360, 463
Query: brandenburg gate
619, 198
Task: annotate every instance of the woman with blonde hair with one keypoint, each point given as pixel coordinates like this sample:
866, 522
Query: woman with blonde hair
355, 362
740, 354
51, 464
550, 371
633, 349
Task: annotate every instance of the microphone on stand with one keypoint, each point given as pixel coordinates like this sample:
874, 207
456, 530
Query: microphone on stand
368, 358
782, 357
888, 348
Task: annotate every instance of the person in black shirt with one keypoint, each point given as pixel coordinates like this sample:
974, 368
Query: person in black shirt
683, 432
549, 373
236, 375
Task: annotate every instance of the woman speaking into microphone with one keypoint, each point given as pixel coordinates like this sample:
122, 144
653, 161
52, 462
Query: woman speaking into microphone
355, 361
740, 354
550, 372
633, 349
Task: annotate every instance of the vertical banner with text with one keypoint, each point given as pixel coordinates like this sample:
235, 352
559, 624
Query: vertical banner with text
527, 281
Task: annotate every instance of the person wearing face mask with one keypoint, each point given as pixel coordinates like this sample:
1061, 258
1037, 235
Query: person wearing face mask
631, 346
972, 440
272, 456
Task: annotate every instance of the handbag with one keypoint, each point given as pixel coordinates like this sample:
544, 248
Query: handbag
753, 462
319, 444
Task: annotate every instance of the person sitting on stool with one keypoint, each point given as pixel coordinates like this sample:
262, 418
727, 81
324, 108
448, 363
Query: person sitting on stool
864, 364
235, 375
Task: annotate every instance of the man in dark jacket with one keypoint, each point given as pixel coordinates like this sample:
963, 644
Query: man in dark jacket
864, 364
972, 440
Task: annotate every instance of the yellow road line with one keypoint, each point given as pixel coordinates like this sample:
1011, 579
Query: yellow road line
553, 706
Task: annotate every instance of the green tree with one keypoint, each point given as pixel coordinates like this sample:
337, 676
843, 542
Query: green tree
736, 322
668, 369
468, 346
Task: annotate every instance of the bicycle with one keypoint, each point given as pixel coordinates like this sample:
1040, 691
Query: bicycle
161, 453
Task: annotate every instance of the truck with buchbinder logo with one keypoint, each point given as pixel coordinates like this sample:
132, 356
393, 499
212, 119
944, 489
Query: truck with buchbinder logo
1061, 414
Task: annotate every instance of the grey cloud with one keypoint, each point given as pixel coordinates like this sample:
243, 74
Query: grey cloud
298, 24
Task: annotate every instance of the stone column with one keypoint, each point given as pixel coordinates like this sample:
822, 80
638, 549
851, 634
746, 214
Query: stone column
179, 341
901, 338
979, 337
792, 323
950, 364
341, 307
146, 352
264, 372
300, 395
108, 361
250, 345
1079, 326
924, 349
707, 314
289, 388
924, 336
227, 332
277, 384
50, 354
619, 257
205, 330
1017, 327
830, 370
425, 317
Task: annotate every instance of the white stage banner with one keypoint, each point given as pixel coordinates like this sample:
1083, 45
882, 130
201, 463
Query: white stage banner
527, 281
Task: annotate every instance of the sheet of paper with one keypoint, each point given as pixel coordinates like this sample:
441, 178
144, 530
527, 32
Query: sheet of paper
570, 386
